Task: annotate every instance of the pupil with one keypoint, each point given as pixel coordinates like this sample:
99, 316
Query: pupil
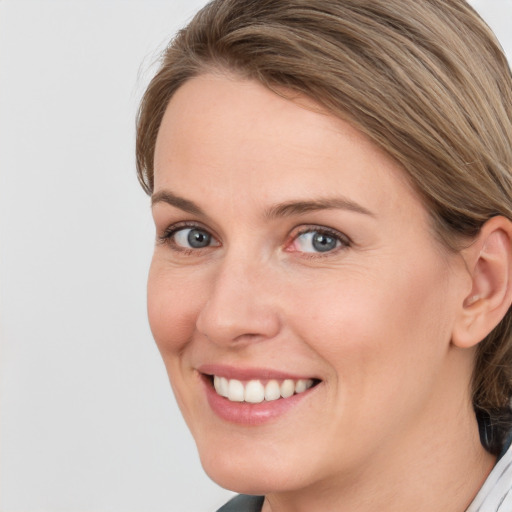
324, 243
198, 239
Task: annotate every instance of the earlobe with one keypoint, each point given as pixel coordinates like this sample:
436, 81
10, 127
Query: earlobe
489, 261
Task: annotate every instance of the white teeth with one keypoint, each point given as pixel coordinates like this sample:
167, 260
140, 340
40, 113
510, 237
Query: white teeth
272, 391
287, 388
300, 386
216, 384
224, 386
255, 392
221, 385
235, 391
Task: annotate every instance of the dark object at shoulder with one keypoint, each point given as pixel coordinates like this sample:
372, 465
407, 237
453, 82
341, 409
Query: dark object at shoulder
495, 429
243, 503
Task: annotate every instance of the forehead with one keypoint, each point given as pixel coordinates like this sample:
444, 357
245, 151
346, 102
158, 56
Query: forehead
224, 137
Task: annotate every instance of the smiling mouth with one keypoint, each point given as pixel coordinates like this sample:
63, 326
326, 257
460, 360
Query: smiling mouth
256, 391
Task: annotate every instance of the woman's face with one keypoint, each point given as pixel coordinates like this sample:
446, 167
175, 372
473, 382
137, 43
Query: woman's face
291, 252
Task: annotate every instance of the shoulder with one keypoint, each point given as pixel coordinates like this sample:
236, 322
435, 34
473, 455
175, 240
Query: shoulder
496, 493
243, 503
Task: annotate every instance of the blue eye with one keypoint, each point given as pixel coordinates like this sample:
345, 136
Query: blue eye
192, 238
317, 241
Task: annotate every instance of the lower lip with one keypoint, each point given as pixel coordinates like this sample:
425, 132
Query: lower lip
244, 413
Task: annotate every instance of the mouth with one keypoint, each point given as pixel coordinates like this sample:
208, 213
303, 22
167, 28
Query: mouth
253, 396
256, 391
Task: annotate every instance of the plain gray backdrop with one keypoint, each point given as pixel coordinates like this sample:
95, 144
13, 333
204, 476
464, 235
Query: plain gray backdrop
87, 420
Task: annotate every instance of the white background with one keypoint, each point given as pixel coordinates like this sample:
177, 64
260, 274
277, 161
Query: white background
87, 418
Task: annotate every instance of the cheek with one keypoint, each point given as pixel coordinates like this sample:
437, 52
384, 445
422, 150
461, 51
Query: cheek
173, 305
368, 325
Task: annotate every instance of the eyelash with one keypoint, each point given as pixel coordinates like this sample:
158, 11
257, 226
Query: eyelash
171, 231
343, 240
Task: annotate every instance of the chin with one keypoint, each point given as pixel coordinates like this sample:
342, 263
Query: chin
254, 469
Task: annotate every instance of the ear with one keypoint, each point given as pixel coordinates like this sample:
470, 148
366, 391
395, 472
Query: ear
489, 262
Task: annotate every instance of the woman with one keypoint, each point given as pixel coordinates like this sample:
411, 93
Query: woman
331, 283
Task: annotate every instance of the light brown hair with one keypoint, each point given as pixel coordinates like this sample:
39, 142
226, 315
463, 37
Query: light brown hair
425, 79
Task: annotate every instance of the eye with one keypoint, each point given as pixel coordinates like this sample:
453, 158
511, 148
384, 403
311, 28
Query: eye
192, 238
318, 241
188, 237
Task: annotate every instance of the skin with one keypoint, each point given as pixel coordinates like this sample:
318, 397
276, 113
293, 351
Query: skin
373, 319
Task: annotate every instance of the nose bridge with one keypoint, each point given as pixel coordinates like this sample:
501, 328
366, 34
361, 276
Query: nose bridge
240, 305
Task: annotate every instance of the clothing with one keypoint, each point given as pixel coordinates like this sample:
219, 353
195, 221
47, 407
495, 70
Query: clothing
494, 496
496, 493
243, 503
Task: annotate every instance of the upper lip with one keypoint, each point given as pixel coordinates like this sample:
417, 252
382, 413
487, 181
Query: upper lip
248, 373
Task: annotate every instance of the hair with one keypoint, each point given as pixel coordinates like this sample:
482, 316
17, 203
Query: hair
426, 80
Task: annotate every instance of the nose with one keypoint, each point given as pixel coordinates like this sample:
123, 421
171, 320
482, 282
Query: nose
241, 306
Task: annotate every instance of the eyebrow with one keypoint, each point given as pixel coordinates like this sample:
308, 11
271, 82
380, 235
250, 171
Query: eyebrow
285, 209
165, 196
291, 208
